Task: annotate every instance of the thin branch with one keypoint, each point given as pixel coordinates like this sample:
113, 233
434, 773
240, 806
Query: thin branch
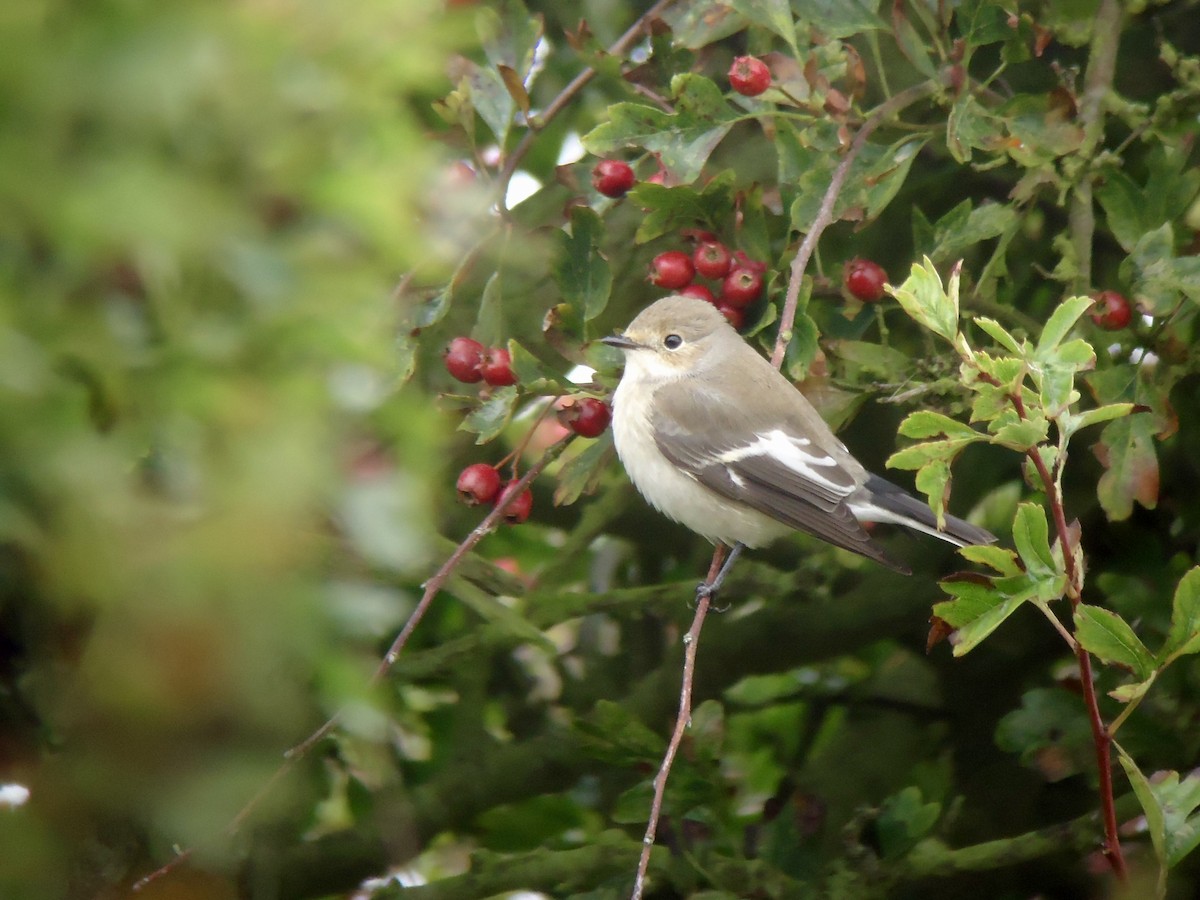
691, 641
824, 218
559, 103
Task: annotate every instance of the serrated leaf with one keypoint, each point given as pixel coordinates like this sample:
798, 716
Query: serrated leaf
922, 454
976, 611
582, 472
1169, 805
1127, 693
1060, 323
489, 418
1031, 537
1023, 434
1000, 335
925, 423
1001, 559
963, 227
925, 300
612, 734
903, 820
582, 272
1184, 635
1126, 450
1108, 637
682, 140
933, 481
1073, 423
670, 208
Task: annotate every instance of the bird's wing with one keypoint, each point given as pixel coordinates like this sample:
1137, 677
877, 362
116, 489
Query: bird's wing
767, 466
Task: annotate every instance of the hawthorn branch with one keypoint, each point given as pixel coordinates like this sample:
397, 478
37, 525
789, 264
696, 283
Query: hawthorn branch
824, 218
559, 103
691, 641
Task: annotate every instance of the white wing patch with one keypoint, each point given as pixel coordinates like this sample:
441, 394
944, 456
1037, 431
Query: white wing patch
788, 450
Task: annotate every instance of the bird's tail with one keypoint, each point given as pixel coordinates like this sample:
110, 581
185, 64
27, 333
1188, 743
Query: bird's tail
881, 501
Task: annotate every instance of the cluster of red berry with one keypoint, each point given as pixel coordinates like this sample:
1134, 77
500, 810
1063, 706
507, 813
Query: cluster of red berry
740, 278
470, 362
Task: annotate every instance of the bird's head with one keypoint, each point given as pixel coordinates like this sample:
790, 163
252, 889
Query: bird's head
672, 337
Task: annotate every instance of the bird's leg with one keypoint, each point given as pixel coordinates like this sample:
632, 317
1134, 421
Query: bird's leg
709, 587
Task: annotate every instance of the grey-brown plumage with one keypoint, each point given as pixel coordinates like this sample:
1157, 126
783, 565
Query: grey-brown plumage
714, 437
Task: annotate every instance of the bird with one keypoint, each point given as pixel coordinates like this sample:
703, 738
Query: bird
715, 438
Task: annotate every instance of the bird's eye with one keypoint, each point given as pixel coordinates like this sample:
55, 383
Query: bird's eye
672, 342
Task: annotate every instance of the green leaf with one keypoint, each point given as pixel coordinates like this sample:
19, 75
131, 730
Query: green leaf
903, 820
490, 417
1049, 719
802, 348
963, 228
933, 480
1126, 450
773, 15
922, 454
1184, 635
671, 208
1001, 559
925, 423
1021, 434
530, 372
582, 272
1169, 805
979, 609
1061, 321
489, 327
1001, 335
839, 18
612, 734
926, 301
1031, 536
1073, 423
582, 472
1107, 636
683, 140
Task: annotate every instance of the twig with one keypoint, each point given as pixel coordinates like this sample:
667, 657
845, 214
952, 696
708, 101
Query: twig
691, 641
824, 217
432, 588
559, 103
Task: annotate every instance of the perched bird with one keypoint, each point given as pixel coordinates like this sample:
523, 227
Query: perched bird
718, 440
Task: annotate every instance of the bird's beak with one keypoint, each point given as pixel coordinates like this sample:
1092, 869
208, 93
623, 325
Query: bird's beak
620, 342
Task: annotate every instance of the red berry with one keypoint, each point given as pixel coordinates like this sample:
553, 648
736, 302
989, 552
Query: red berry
712, 259
612, 178
518, 511
741, 259
478, 483
741, 287
497, 368
587, 416
463, 358
865, 280
749, 76
671, 270
699, 291
1111, 310
736, 317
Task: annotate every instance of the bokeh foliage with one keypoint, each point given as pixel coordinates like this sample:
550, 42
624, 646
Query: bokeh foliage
234, 238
